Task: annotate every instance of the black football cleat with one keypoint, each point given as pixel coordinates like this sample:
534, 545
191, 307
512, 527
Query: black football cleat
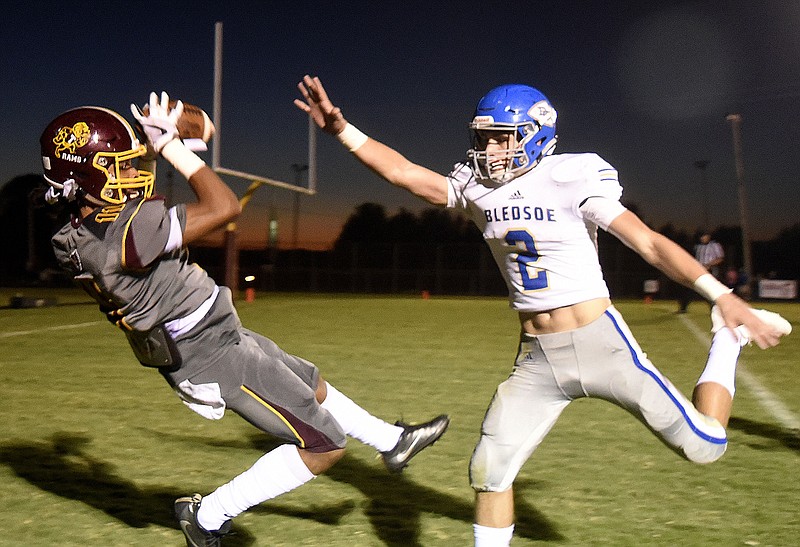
197, 536
413, 440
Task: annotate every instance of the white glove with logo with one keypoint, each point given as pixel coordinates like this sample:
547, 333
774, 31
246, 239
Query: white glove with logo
160, 125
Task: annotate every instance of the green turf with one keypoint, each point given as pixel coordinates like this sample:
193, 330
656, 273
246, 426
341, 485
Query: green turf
94, 448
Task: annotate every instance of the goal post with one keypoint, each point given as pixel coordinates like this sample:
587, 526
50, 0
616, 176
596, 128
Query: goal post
231, 275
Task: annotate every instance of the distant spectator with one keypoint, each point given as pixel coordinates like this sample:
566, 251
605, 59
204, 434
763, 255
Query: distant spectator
731, 277
709, 253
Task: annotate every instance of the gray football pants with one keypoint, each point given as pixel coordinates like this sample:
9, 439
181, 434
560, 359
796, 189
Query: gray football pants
600, 360
249, 374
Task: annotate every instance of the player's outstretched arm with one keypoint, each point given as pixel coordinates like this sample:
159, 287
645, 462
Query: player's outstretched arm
680, 266
384, 161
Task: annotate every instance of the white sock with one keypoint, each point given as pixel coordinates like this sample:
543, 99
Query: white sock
360, 424
722, 358
486, 536
275, 473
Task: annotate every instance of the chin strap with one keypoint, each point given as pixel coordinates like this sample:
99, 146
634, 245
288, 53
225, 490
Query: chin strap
68, 191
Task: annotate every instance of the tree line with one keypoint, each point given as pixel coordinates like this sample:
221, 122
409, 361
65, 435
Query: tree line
371, 238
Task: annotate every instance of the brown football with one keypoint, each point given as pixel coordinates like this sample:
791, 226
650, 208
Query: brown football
194, 123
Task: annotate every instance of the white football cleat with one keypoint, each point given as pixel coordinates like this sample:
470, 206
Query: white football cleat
770, 318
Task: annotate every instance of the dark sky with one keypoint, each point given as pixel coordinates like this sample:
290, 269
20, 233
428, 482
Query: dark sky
645, 86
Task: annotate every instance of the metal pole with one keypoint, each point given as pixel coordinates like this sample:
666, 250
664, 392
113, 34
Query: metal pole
295, 220
231, 247
217, 140
736, 127
312, 155
298, 169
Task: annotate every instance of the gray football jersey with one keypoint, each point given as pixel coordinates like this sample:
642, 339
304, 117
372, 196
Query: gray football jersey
117, 254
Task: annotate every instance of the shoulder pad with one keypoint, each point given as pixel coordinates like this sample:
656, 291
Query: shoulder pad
461, 171
577, 167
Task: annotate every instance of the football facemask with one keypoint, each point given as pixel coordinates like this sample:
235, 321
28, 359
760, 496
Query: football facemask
524, 113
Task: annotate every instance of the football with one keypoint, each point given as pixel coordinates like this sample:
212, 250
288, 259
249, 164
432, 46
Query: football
194, 123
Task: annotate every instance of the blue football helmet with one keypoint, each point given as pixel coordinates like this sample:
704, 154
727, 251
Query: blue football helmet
528, 116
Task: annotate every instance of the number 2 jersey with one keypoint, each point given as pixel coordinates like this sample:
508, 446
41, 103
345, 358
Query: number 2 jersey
542, 227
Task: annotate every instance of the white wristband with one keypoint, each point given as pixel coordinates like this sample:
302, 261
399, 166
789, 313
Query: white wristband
710, 288
184, 160
352, 138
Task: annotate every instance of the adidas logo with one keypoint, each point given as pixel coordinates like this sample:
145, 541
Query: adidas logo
516, 195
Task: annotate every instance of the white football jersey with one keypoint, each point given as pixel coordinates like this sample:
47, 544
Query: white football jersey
542, 227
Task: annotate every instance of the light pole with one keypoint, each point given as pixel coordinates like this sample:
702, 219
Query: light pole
701, 166
736, 127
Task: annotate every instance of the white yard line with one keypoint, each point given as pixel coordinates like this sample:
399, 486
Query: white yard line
764, 396
45, 329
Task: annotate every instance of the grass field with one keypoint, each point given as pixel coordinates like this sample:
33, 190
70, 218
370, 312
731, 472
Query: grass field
94, 448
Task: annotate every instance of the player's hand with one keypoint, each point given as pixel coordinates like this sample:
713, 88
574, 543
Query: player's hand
160, 125
737, 312
329, 118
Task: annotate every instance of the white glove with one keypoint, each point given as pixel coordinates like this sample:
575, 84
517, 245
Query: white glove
160, 126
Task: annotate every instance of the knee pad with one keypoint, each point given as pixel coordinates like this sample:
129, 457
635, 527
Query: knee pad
709, 441
699, 438
493, 468
704, 452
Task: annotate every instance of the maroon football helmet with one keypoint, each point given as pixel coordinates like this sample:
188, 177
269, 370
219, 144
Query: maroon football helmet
84, 148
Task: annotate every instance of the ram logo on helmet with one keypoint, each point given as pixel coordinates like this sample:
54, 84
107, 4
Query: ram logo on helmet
71, 138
